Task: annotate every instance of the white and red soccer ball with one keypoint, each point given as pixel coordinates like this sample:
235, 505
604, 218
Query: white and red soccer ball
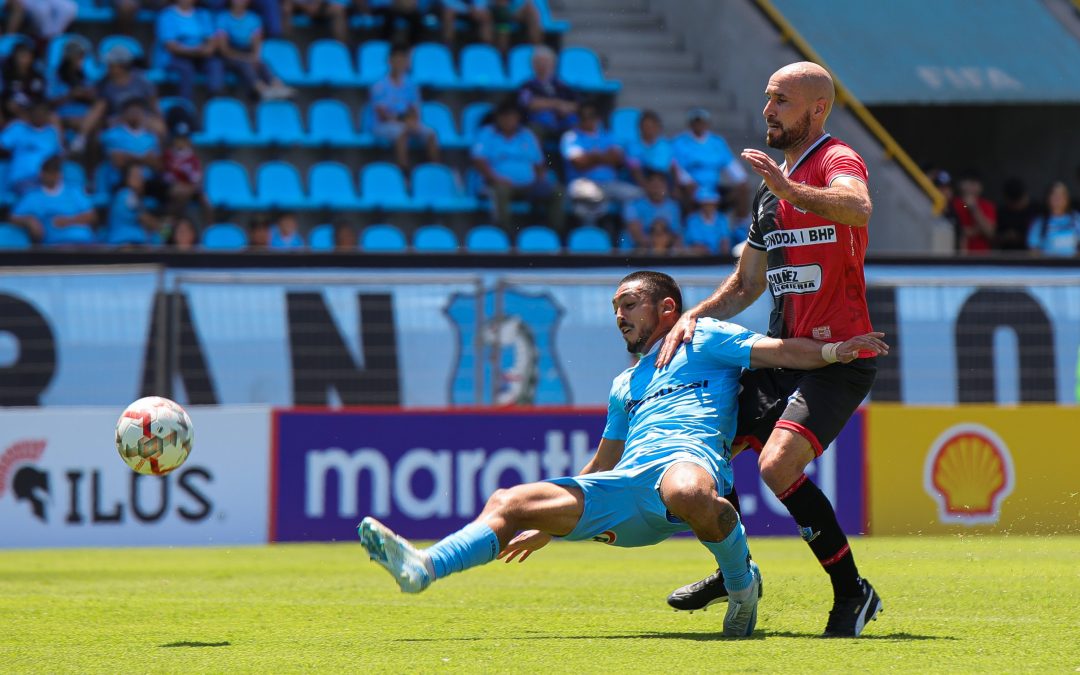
154, 435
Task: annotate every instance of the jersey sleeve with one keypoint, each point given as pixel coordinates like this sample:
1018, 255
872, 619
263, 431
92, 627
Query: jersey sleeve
618, 422
755, 237
728, 345
843, 161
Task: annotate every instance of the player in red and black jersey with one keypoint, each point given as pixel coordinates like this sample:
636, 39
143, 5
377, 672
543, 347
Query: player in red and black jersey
807, 242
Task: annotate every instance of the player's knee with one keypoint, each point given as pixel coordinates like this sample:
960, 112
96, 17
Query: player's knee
685, 494
501, 501
777, 469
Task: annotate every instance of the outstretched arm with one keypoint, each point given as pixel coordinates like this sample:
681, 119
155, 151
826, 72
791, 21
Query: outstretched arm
806, 354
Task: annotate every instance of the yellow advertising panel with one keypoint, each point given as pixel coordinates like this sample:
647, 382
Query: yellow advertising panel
973, 468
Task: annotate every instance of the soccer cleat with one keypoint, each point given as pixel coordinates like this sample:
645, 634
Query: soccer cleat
396, 555
701, 594
849, 616
741, 617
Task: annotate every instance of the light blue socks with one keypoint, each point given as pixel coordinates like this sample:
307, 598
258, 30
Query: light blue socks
733, 557
475, 544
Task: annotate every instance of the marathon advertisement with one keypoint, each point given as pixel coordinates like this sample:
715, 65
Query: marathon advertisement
62, 482
426, 474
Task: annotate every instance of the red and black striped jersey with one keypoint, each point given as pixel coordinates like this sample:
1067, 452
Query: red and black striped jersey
815, 267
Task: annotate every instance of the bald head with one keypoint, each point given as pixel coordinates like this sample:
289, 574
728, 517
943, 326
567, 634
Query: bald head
800, 98
808, 79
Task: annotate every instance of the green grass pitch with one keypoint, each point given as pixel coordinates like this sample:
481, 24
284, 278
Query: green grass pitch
951, 604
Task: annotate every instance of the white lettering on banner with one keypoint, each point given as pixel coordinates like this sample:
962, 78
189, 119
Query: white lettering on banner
797, 279
806, 236
967, 78
469, 464
347, 466
438, 464
525, 464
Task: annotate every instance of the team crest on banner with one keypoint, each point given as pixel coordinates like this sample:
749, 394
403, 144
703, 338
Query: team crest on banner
522, 343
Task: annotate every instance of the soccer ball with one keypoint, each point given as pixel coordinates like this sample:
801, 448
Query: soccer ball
154, 435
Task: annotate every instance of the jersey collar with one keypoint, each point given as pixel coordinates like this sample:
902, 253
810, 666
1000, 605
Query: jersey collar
824, 137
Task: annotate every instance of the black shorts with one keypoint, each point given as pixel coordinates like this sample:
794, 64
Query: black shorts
815, 404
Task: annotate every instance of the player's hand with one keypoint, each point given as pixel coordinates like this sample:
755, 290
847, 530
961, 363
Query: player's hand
524, 544
862, 347
682, 332
769, 170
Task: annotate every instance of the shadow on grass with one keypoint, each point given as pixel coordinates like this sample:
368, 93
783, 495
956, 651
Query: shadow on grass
696, 637
194, 644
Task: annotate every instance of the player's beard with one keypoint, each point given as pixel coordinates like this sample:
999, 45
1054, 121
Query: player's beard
638, 345
791, 136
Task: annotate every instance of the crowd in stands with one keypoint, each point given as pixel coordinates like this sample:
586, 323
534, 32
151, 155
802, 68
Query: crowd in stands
1047, 224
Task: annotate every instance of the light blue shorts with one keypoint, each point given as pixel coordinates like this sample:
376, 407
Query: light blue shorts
623, 506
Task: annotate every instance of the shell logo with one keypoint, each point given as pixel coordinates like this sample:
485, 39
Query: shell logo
969, 473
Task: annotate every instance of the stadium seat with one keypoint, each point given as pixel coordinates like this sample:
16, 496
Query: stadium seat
383, 239
549, 23
90, 12
283, 59
13, 237
74, 175
482, 68
383, 187
224, 237
580, 67
330, 64
321, 238
520, 65
278, 186
433, 66
332, 187
279, 123
331, 124
437, 116
589, 239
436, 187
435, 239
487, 239
110, 41
227, 185
225, 122
472, 118
624, 124
372, 61
538, 239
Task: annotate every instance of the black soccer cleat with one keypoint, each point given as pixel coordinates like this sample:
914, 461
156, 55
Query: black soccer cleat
701, 594
849, 616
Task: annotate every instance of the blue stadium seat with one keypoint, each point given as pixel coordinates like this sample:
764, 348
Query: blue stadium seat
329, 63
624, 124
487, 239
332, 187
547, 21
383, 239
90, 12
225, 122
538, 239
437, 116
13, 237
436, 187
435, 239
279, 123
224, 237
109, 41
433, 66
227, 185
580, 67
372, 61
589, 239
472, 118
482, 68
278, 186
8, 42
520, 65
283, 59
383, 187
321, 238
331, 124
74, 175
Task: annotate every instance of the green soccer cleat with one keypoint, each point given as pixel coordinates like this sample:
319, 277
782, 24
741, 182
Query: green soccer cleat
409, 567
741, 617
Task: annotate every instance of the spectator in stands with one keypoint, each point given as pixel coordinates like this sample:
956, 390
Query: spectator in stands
655, 209
396, 101
975, 215
549, 105
258, 234
16, 13
651, 151
51, 17
478, 14
1015, 215
241, 36
411, 12
285, 233
55, 213
344, 237
126, 11
30, 143
334, 12
187, 44
130, 142
592, 160
508, 157
508, 14
705, 161
1057, 233
942, 180
122, 82
663, 240
23, 83
182, 235
183, 175
70, 91
707, 230
131, 222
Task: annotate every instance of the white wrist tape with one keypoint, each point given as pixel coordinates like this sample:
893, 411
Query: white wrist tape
828, 352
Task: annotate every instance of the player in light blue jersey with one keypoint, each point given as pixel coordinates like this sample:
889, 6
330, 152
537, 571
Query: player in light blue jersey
662, 464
